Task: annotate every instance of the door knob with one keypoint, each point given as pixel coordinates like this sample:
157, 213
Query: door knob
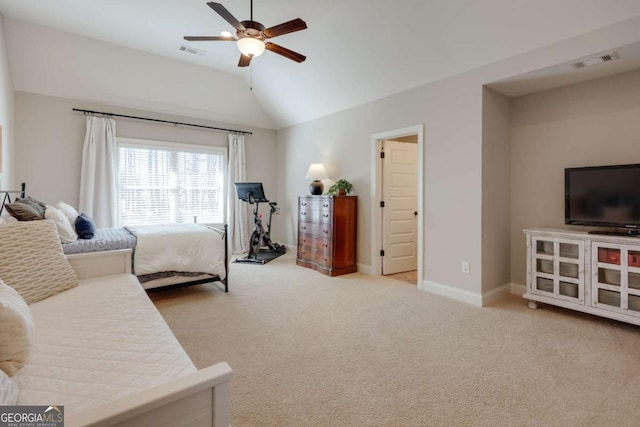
415, 213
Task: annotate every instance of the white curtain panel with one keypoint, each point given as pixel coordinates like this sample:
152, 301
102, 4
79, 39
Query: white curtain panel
98, 176
238, 215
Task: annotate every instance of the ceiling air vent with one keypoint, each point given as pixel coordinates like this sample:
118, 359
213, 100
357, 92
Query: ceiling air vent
193, 50
595, 60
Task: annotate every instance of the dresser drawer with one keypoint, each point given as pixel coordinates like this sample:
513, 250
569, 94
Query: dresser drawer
314, 215
316, 243
322, 230
310, 203
320, 257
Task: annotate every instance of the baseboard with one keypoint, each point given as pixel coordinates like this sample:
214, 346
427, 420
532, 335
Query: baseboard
364, 268
480, 300
518, 289
453, 293
495, 294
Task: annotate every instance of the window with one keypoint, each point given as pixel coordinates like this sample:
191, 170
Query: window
161, 182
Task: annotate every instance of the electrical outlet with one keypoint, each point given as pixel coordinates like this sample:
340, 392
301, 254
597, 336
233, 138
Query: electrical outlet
465, 267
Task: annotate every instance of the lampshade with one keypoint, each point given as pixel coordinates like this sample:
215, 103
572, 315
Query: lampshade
250, 46
316, 172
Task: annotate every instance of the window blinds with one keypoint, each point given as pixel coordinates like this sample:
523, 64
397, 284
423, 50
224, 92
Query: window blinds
170, 183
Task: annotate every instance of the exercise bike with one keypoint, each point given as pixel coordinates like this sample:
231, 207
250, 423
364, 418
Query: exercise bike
260, 240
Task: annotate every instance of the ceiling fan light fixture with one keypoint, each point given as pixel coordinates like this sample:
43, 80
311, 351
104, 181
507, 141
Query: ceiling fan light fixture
226, 34
250, 46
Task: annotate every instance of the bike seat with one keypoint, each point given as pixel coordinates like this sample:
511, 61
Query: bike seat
273, 203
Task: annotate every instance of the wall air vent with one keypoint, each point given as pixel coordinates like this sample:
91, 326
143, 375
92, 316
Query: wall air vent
193, 50
595, 60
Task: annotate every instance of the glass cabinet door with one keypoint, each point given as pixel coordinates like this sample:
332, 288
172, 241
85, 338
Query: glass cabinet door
616, 277
557, 268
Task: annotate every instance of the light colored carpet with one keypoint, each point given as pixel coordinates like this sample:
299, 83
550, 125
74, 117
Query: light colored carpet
309, 350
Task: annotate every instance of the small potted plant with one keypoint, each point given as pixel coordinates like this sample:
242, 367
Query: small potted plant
340, 188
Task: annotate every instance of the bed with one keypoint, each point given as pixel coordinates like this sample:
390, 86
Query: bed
163, 255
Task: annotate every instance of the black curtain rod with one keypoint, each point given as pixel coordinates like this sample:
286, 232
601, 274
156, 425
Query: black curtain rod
162, 121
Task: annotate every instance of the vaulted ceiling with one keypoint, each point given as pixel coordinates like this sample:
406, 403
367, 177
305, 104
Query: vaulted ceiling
357, 50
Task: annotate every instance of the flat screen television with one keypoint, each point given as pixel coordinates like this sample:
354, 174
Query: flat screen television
606, 196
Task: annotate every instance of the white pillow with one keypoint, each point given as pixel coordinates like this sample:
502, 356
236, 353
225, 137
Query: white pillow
69, 211
66, 232
8, 390
16, 329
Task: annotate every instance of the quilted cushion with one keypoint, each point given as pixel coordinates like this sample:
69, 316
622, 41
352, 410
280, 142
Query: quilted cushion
16, 329
8, 390
32, 262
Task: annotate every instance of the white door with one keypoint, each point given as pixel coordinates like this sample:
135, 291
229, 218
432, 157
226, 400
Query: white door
399, 215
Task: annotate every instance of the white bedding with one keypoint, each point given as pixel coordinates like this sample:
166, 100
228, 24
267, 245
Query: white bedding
96, 343
192, 248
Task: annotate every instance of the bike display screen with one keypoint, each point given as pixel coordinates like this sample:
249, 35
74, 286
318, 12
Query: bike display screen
246, 190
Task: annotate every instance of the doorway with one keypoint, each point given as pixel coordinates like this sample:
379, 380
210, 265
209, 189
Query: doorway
396, 212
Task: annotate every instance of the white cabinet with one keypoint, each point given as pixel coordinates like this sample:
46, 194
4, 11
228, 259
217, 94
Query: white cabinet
586, 272
615, 277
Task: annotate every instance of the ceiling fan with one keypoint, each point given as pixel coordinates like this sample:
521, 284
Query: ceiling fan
251, 36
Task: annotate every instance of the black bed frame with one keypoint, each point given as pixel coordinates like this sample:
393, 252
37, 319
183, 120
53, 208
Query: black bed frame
22, 194
7, 195
225, 281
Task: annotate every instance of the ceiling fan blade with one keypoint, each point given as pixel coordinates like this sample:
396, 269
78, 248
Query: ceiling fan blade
245, 60
209, 38
287, 53
286, 28
226, 15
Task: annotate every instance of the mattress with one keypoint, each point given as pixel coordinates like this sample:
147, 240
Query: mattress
96, 343
203, 253
106, 239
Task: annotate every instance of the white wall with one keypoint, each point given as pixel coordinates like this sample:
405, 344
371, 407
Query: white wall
50, 138
587, 124
7, 181
496, 230
52, 62
451, 111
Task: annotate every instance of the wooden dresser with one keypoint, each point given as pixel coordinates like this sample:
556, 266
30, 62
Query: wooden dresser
327, 234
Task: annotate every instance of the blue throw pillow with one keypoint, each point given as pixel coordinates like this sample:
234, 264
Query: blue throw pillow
85, 227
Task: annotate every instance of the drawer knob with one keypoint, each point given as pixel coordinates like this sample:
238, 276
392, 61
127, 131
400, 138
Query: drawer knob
303, 213
325, 231
326, 215
325, 205
304, 203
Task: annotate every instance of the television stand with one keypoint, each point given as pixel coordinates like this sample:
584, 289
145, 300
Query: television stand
627, 232
596, 274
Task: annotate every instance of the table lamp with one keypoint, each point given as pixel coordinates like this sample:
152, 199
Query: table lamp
316, 172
